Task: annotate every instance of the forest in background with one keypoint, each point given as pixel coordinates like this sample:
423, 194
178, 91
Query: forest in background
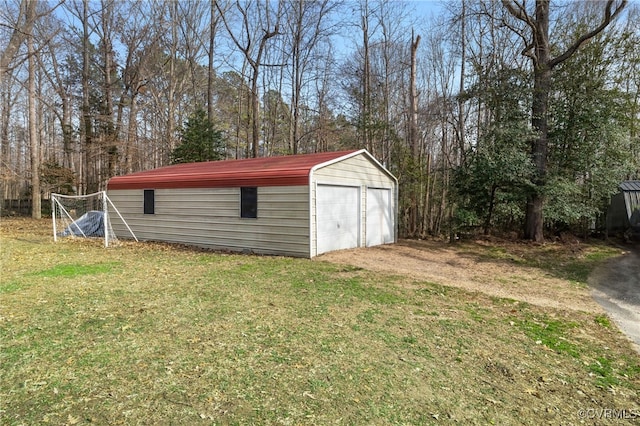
511, 116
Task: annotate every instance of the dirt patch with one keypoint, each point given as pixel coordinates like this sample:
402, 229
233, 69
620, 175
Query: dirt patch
464, 267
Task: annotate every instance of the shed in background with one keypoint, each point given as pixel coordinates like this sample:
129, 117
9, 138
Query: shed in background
623, 214
298, 205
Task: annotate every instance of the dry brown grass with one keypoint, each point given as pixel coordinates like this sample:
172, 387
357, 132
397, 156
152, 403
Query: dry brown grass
157, 334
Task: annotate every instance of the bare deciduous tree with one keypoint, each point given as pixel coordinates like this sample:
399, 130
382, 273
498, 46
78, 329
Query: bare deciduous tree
259, 24
307, 27
21, 30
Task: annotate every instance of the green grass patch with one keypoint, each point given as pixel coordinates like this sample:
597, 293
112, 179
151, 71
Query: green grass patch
76, 270
612, 374
9, 286
578, 268
603, 320
552, 333
154, 334
604, 371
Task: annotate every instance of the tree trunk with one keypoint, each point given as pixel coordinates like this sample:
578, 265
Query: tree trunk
255, 113
413, 98
414, 204
213, 21
534, 221
366, 82
6, 173
67, 132
487, 220
34, 141
463, 61
296, 84
171, 93
110, 136
89, 166
132, 132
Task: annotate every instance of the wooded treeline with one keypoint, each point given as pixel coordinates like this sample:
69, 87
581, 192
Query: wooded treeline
512, 115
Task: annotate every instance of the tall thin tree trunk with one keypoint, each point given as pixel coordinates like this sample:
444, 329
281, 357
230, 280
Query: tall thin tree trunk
210, 70
34, 140
5, 150
414, 224
255, 113
171, 95
463, 60
296, 99
413, 98
132, 132
67, 132
110, 135
89, 167
295, 78
366, 82
426, 185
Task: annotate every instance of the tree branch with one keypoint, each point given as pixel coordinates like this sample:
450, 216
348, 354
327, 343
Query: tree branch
527, 51
606, 20
518, 11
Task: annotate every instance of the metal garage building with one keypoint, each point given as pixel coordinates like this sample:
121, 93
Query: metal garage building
624, 210
298, 205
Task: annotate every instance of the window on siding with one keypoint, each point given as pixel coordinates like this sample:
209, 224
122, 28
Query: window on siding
249, 202
149, 201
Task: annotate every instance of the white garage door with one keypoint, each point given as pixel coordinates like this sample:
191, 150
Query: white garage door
338, 221
379, 217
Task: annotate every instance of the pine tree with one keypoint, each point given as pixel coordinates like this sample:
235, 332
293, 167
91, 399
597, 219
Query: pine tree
200, 141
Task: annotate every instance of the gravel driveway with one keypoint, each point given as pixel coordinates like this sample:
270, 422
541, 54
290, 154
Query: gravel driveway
616, 287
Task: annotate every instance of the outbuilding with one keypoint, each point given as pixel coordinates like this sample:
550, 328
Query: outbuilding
296, 205
624, 210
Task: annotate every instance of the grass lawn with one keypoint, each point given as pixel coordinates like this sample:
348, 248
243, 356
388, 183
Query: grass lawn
155, 334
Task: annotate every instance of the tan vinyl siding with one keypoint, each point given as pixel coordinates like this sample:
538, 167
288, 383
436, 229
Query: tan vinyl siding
354, 171
210, 217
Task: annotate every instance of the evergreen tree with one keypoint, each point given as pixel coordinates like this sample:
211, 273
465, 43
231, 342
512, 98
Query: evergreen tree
200, 141
491, 184
544, 61
588, 139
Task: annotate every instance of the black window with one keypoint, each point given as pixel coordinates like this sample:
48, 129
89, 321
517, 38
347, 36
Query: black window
149, 201
249, 202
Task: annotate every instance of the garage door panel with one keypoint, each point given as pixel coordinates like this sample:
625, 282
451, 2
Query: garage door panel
379, 224
338, 212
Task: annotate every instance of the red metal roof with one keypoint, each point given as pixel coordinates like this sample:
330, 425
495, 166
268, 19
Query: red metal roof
267, 171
